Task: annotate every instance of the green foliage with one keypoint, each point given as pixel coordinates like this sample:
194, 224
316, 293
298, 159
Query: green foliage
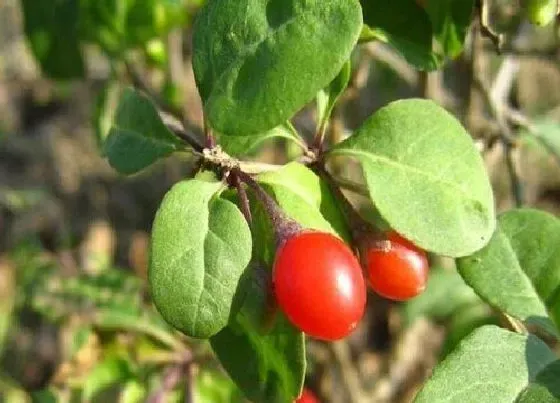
133, 391
111, 371
239, 146
544, 134
450, 301
138, 137
446, 292
405, 26
425, 176
451, 20
518, 272
249, 57
57, 31
276, 355
277, 359
464, 321
55, 45
104, 111
58, 297
491, 365
540, 12
327, 97
304, 197
545, 388
213, 386
201, 245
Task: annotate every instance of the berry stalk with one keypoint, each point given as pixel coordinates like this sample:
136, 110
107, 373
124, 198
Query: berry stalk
284, 227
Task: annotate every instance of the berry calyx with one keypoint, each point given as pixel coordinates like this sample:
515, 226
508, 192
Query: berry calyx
396, 268
319, 285
307, 396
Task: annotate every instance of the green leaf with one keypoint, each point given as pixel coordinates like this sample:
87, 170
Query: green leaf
104, 111
518, 272
138, 137
257, 62
405, 26
305, 198
110, 371
451, 20
11, 392
267, 365
425, 176
213, 386
547, 133
110, 300
45, 396
201, 245
55, 45
58, 297
133, 391
546, 388
244, 145
8, 295
540, 12
445, 293
464, 320
147, 19
327, 97
103, 22
117, 25
491, 365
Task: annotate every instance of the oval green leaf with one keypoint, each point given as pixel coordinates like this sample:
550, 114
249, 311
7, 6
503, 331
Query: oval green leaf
201, 245
257, 62
518, 272
491, 365
425, 176
138, 137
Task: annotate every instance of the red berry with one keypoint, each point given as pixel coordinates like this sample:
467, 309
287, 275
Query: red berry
307, 397
319, 285
397, 269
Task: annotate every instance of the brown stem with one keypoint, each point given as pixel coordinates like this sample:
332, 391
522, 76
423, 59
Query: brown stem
244, 204
173, 375
189, 384
177, 128
284, 227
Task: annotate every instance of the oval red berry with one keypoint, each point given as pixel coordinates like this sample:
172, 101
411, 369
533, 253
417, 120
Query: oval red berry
397, 269
319, 285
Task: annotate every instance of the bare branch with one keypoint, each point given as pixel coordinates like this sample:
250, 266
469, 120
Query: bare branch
189, 137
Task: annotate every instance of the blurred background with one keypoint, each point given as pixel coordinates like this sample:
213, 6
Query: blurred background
76, 323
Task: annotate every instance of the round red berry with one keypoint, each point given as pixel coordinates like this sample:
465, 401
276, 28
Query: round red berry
307, 397
397, 269
319, 285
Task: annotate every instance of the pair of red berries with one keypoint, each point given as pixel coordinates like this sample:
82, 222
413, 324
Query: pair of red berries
319, 285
